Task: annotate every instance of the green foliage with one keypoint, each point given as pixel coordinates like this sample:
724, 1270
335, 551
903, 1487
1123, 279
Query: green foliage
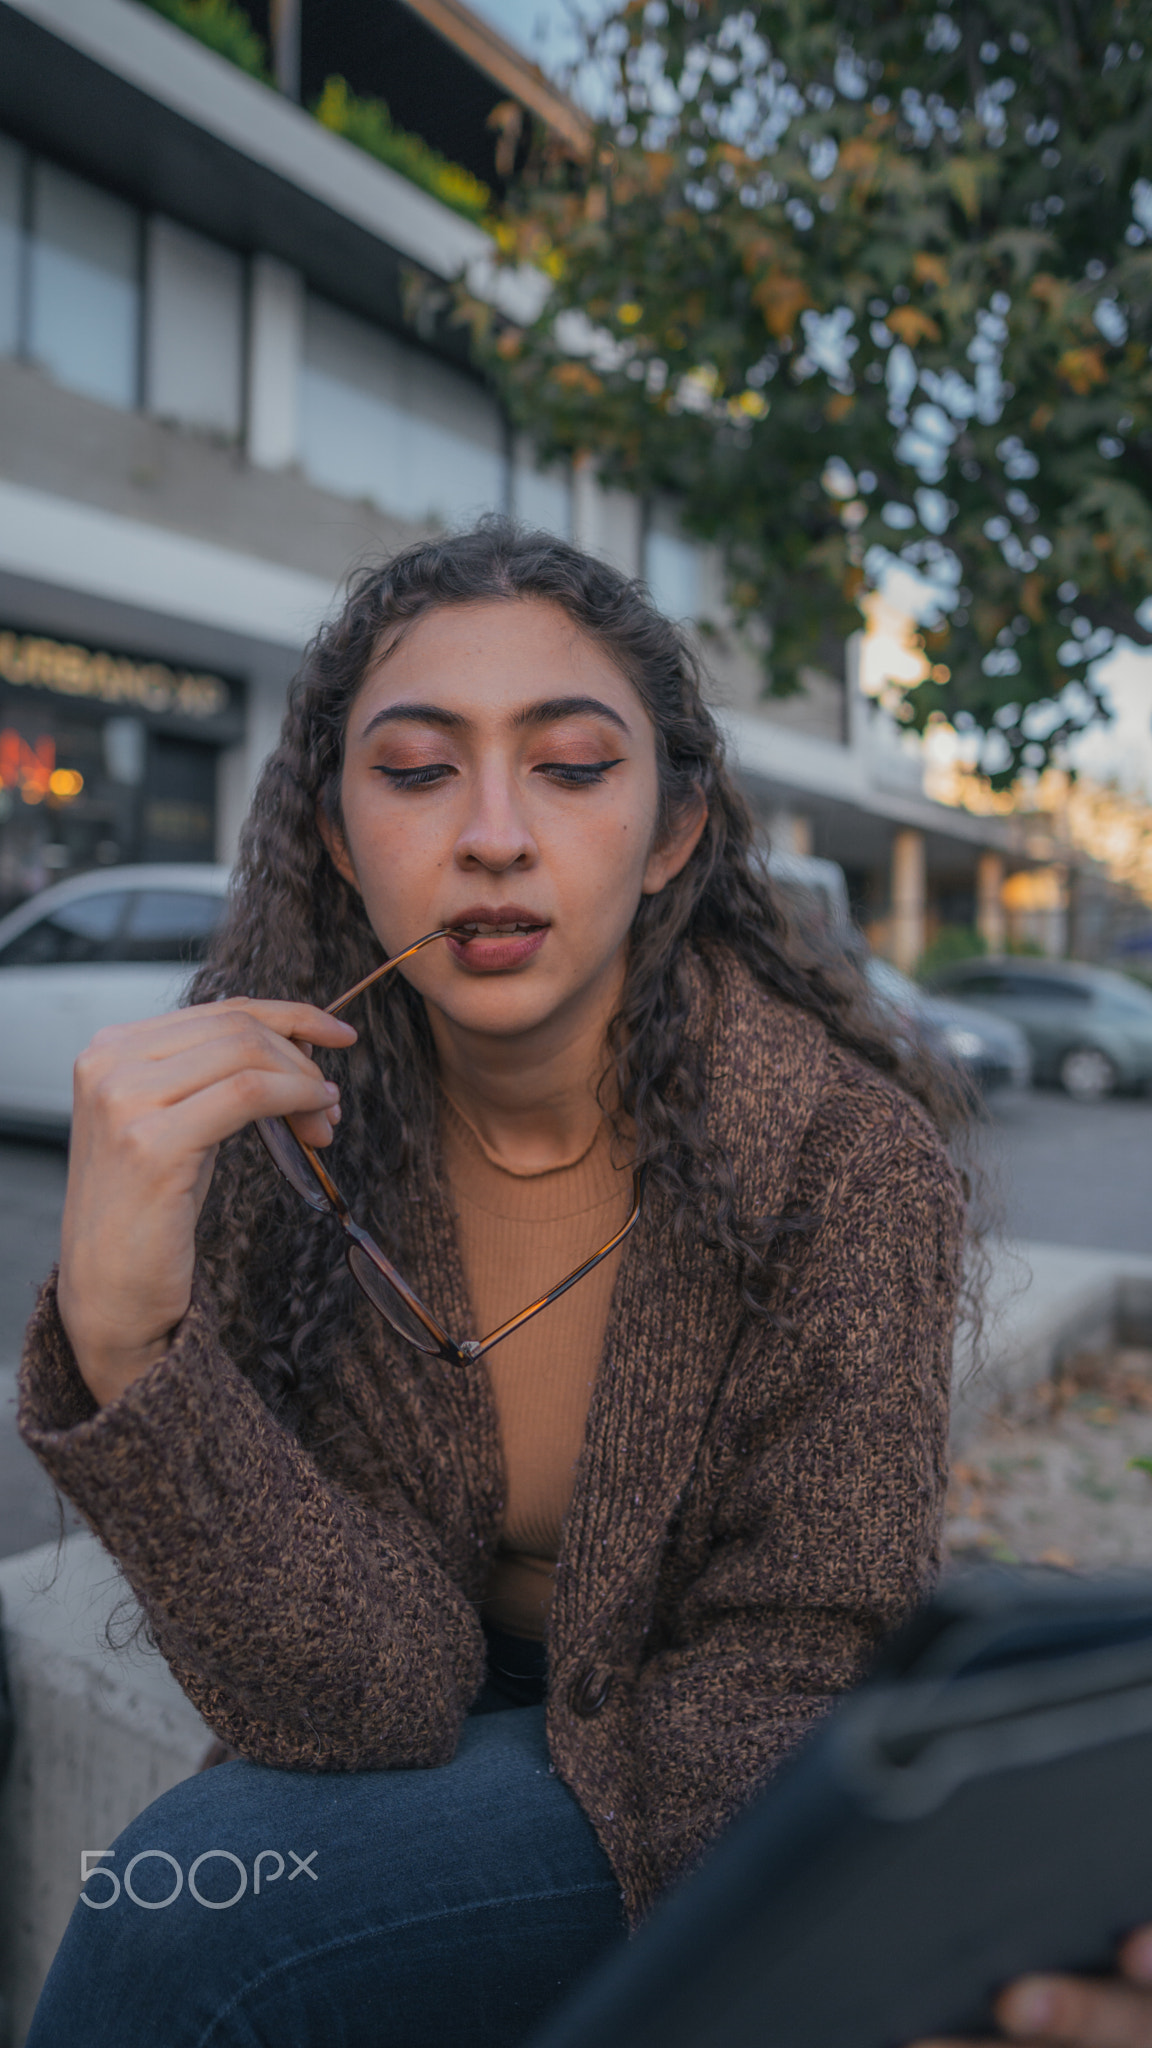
226, 28
223, 26
952, 942
368, 124
869, 282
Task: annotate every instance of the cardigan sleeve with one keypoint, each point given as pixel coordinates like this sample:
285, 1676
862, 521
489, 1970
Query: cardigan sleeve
364, 1654
825, 1524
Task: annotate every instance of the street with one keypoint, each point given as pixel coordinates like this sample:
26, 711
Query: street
1057, 1171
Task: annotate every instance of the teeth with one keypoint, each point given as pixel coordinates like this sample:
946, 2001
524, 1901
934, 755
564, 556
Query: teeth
493, 931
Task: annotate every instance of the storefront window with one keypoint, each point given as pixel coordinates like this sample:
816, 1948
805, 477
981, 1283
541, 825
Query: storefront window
382, 421
85, 782
84, 286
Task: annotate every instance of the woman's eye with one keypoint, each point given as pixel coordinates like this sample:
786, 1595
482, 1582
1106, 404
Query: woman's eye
415, 778
577, 774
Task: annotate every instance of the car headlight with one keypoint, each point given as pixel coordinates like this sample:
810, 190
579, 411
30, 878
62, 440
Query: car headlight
965, 1044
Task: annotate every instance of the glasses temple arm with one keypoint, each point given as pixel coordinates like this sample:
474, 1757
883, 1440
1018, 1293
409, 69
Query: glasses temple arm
476, 1349
385, 967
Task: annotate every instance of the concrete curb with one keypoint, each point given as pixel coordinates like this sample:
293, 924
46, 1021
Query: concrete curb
1044, 1302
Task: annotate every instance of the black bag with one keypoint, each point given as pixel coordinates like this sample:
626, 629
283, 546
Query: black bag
981, 1807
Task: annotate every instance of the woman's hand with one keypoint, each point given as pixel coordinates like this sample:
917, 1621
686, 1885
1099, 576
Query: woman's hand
152, 1103
1081, 2012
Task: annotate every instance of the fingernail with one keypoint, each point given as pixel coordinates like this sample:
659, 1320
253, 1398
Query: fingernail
1029, 2006
334, 1115
331, 1089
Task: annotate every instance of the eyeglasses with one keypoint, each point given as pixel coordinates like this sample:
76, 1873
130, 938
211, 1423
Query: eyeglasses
373, 1273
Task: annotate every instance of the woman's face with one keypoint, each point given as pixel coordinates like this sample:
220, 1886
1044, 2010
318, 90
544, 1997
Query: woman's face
500, 775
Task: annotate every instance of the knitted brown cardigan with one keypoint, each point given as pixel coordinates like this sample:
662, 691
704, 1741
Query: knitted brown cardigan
752, 1509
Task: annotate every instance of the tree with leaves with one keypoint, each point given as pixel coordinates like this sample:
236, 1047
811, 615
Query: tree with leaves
866, 283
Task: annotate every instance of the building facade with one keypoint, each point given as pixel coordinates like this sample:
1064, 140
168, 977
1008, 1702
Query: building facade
212, 406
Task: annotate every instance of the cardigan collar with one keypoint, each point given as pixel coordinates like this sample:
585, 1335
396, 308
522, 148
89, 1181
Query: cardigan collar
675, 1315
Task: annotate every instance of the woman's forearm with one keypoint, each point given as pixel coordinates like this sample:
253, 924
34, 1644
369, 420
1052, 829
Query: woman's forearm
310, 1630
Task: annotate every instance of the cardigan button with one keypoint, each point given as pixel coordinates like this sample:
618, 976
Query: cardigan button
591, 1690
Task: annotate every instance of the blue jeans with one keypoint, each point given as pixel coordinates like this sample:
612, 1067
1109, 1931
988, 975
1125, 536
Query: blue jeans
446, 1908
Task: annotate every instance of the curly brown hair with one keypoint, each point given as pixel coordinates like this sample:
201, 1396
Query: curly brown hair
296, 929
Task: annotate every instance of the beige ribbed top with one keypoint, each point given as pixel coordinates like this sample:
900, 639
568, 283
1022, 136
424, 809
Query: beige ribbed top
519, 1234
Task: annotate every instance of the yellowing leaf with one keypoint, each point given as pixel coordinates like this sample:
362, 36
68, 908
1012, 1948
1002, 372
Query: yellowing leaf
1051, 291
1032, 597
839, 406
659, 165
629, 313
781, 298
1081, 368
750, 405
758, 252
912, 325
858, 154
965, 185
1042, 418
577, 377
928, 269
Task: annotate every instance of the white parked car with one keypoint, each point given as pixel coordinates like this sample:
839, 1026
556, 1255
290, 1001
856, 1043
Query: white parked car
104, 948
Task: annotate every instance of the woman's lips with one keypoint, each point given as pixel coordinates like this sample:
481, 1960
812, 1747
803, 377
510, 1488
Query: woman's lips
488, 950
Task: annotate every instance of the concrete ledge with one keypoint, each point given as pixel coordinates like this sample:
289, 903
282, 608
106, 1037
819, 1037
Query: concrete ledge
99, 1735
1044, 1302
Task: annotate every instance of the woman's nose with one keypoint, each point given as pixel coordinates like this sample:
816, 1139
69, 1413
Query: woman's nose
496, 834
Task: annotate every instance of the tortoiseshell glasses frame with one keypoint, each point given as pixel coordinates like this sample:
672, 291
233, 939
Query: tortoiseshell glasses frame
377, 1277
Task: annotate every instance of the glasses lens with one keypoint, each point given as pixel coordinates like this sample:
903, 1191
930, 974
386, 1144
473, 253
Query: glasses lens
288, 1154
391, 1305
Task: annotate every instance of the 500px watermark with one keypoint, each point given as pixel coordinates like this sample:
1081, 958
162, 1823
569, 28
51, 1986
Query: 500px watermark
94, 1865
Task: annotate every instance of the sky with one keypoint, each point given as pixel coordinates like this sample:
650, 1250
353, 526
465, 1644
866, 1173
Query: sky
541, 27
1120, 751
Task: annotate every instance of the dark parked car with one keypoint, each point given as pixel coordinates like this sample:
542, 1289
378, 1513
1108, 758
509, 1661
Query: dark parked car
988, 1049
1090, 1030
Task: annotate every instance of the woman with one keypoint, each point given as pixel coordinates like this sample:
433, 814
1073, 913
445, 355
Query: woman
667, 1517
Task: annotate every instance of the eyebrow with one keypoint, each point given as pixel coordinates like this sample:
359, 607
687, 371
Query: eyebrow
548, 712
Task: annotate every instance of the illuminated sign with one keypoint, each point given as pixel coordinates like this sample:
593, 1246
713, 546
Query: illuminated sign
32, 770
28, 659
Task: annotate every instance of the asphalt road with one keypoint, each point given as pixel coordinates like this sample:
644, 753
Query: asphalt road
1057, 1171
